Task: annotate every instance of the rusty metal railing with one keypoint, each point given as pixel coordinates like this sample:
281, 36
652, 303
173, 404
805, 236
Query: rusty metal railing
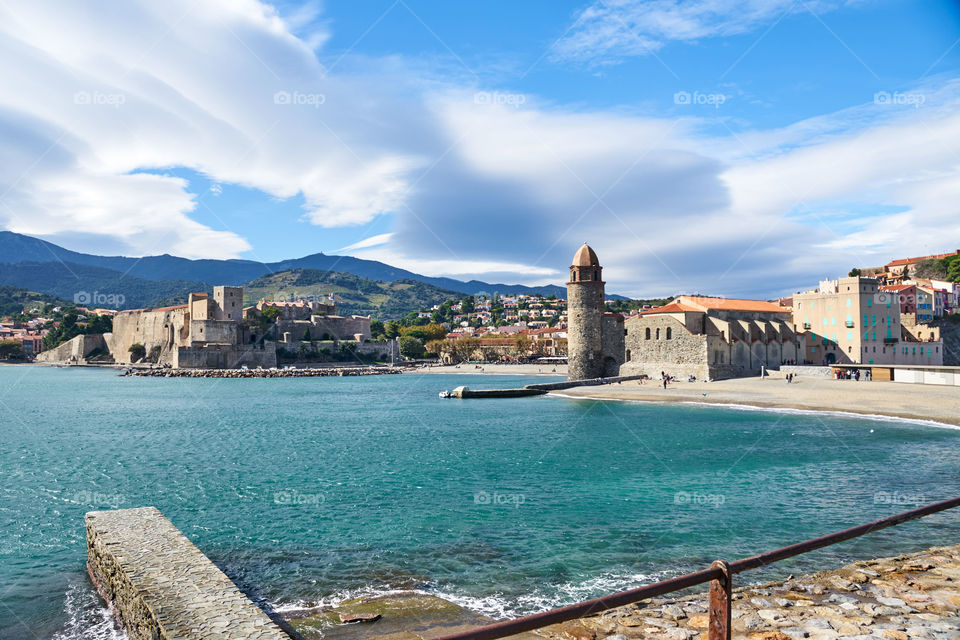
719, 575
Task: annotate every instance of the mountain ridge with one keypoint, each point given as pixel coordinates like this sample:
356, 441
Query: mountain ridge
17, 248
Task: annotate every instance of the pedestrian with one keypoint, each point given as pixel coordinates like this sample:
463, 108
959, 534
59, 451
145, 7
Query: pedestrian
664, 382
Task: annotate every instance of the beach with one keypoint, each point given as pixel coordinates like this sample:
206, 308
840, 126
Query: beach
891, 399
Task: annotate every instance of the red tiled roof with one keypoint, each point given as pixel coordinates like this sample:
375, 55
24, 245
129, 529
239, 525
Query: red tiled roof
735, 304
938, 256
673, 307
179, 306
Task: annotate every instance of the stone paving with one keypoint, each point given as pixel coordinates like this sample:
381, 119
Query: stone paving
910, 596
161, 586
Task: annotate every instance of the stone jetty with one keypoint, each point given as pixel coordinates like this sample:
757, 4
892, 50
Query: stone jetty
319, 372
159, 585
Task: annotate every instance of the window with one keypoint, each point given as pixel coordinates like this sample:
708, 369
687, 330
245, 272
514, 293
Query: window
628, 355
658, 333
669, 333
874, 319
647, 333
596, 275
869, 302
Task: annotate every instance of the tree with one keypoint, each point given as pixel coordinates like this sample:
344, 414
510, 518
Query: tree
426, 333
855, 273
411, 347
137, 352
953, 269
392, 329
376, 328
11, 350
306, 335
468, 305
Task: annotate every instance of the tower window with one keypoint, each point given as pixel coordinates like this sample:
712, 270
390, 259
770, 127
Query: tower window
669, 333
648, 333
628, 355
596, 274
658, 333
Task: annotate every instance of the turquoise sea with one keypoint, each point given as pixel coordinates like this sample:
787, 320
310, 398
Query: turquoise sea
306, 491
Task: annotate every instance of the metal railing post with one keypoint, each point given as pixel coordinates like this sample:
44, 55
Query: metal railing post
721, 597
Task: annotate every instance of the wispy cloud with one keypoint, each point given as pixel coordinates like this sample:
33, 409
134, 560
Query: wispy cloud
373, 241
607, 31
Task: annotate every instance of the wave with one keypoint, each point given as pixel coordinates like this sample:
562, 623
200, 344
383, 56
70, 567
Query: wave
498, 606
87, 617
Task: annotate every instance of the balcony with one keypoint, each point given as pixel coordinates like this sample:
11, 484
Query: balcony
891, 340
849, 324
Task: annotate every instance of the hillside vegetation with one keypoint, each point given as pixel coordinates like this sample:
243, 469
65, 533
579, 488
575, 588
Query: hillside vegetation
355, 295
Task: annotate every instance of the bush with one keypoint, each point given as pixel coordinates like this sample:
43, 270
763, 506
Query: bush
411, 347
137, 352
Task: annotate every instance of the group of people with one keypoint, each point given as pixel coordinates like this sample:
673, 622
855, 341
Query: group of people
848, 374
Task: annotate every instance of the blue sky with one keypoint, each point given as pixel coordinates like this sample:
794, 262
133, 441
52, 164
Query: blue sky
733, 147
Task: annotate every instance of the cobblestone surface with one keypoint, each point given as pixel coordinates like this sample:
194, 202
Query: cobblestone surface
161, 586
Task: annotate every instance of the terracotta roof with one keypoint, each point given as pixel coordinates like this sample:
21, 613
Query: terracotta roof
734, 304
673, 307
585, 257
937, 256
896, 287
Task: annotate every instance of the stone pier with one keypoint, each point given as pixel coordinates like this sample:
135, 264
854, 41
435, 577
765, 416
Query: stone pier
160, 586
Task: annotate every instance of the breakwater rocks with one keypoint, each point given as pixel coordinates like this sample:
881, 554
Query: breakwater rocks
909, 596
263, 373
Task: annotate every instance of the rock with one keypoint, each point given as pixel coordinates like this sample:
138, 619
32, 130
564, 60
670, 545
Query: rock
761, 603
662, 624
839, 598
616, 637
892, 602
795, 633
841, 584
577, 631
783, 602
348, 618
768, 635
674, 612
770, 615
817, 623
699, 621
896, 634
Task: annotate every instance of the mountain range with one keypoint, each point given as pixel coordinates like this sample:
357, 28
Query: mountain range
42, 266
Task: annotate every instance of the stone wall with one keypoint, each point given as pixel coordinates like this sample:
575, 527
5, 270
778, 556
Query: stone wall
74, 350
613, 343
164, 329
159, 585
681, 355
222, 356
585, 306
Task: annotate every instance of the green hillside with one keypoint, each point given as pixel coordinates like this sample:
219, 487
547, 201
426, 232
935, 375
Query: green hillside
13, 300
355, 295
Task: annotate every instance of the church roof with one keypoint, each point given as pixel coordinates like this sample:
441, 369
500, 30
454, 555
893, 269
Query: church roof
586, 257
673, 307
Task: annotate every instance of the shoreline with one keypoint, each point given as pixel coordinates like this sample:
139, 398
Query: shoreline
912, 595
927, 404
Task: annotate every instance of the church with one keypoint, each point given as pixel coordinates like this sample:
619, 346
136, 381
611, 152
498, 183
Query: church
706, 337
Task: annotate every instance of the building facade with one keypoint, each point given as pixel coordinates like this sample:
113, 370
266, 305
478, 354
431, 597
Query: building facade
595, 339
853, 321
710, 338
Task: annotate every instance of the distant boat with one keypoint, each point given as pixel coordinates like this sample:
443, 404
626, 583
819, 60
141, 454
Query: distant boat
446, 394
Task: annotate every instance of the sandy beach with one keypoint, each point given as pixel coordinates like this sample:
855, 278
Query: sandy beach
919, 402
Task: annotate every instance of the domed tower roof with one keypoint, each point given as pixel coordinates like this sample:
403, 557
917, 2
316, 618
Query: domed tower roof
585, 257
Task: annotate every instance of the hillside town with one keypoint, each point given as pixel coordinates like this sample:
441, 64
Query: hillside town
880, 315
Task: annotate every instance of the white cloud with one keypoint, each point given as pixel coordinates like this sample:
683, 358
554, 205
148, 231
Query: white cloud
607, 31
366, 243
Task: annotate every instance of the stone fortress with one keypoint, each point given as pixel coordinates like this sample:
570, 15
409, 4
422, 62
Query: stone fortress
213, 332
710, 338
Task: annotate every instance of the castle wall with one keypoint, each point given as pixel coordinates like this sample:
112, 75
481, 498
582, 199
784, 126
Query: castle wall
165, 329
75, 349
613, 345
217, 331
